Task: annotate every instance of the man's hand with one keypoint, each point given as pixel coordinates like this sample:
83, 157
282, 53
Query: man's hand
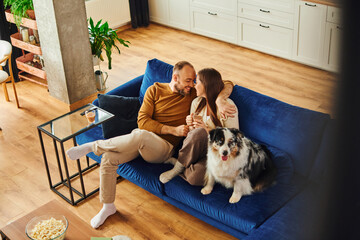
181, 131
226, 109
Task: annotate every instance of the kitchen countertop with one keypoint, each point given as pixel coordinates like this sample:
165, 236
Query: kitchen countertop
334, 3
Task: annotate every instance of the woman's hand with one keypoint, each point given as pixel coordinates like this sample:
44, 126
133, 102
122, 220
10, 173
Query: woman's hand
199, 123
189, 119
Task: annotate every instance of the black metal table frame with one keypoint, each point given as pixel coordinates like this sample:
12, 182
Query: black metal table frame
3, 236
67, 181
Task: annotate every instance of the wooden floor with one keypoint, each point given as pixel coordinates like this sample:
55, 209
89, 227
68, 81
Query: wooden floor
141, 215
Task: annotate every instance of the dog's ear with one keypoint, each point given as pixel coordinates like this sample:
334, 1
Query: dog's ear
236, 132
212, 134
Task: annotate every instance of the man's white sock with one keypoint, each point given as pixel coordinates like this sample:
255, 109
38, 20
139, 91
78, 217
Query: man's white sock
79, 151
168, 175
107, 210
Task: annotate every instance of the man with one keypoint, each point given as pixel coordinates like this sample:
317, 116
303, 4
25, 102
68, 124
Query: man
162, 125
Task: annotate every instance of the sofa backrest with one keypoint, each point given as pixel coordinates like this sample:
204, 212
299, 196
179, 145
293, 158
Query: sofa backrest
295, 130
156, 71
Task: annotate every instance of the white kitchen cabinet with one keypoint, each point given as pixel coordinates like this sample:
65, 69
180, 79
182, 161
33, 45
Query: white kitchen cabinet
179, 14
173, 13
280, 5
309, 33
265, 37
266, 26
266, 15
333, 33
159, 11
334, 15
223, 6
301, 31
214, 23
215, 19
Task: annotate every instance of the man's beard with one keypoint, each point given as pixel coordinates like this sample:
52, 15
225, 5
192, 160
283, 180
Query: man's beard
181, 91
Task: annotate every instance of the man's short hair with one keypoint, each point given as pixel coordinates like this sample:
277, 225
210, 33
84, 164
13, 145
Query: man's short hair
178, 66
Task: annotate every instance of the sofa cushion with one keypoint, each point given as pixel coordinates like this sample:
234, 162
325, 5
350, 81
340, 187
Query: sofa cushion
128, 89
144, 174
299, 219
125, 110
251, 211
156, 71
295, 130
213, 222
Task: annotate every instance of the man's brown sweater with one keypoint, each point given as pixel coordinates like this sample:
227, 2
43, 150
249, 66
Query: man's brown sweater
162, 106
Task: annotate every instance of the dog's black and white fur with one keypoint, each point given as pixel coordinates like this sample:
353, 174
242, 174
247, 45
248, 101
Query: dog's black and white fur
236, 162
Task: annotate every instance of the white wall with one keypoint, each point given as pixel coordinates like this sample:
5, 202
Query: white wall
115, 12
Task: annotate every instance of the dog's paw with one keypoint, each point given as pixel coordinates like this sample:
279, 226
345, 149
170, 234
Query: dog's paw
206, 190
164, 177
235, 198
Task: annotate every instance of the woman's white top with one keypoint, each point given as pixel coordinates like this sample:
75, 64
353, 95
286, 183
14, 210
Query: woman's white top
229, 122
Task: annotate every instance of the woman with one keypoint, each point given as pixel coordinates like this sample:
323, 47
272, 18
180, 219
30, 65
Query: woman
203, 117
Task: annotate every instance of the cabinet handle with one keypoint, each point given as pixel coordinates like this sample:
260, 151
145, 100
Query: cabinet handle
264, 26
338, 27
310, 5
265, 11
212, 14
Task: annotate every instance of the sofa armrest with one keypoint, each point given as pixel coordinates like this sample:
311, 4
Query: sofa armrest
128, 89
324, 160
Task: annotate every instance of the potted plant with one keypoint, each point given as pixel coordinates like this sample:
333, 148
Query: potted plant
20, 9
103, 38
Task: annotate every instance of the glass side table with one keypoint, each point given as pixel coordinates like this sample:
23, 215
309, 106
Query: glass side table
61, 129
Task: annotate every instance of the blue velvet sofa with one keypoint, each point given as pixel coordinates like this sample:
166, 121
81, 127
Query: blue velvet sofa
297, 140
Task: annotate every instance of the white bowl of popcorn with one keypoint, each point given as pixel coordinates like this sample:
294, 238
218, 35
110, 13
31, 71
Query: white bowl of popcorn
47, 227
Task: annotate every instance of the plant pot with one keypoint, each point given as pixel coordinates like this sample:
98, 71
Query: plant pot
22, 65
26, 22
96, 60
31, 14
17, 42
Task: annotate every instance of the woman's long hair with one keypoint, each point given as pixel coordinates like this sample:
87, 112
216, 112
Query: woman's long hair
213, 84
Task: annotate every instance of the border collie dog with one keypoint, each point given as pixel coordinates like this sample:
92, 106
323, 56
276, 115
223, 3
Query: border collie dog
236, 162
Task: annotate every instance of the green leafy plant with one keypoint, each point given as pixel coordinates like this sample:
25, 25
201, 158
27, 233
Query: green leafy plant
19, 8
102, 37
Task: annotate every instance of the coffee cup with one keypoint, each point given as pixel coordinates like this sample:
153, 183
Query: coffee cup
90, 115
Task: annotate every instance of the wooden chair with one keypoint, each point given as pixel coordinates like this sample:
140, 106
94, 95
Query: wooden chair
5, 55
